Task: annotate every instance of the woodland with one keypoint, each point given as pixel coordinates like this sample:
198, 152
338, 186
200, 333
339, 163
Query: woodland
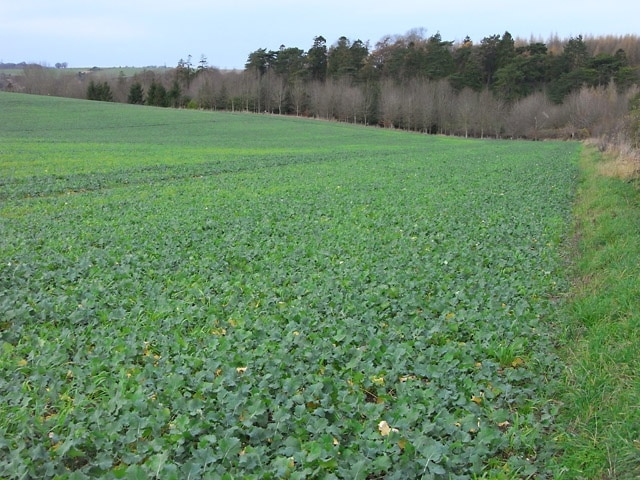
500, 87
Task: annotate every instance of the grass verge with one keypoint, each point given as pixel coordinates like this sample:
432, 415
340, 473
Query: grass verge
601, 345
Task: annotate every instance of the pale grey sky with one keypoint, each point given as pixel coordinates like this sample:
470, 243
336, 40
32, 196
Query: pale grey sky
86, 33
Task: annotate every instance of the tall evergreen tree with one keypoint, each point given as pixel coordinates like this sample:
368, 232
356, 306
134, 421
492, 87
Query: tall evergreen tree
575, 54
290, 63
489, 57
92, 91
572, 71
468, 71
346, 59
99, 91
317, 59
136, 94
260, 61
438, 58
524, 74
174, 95
202, 64
157, 95
184, 72
505, 50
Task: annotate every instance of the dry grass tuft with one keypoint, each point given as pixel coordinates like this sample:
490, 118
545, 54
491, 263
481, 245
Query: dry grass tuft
620, 160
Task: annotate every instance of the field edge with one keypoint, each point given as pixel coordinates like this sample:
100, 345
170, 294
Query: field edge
600, 419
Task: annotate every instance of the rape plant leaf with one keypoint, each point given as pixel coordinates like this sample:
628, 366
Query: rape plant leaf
135, 472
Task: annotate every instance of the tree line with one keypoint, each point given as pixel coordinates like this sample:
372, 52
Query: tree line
499, 87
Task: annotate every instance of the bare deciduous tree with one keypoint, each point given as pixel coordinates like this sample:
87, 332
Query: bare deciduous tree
445, 98
349, 101
391, 103
528, 116
586, 108
467, 106
322, 99
39, 80
275, 91
297, 94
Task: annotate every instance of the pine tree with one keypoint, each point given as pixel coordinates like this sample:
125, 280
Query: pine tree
174, 95
99, 91
92, 93
157, 95
136, 94
317, 58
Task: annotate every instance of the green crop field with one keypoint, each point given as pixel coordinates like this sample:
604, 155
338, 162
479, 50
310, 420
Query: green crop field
189, 294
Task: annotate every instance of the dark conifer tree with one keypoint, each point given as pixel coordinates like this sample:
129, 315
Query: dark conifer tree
99, 91
157, 95
136, 94
317, 58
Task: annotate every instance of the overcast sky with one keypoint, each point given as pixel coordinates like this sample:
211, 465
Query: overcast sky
112, 33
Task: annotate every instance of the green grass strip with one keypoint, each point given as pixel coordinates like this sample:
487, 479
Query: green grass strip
602, 345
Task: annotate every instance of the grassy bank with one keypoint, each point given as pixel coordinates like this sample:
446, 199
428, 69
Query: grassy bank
602, 403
